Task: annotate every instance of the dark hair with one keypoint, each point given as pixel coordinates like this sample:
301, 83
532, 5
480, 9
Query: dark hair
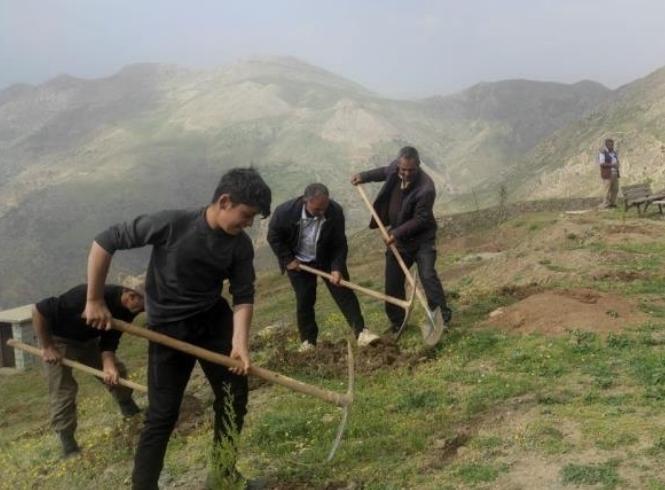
409, 153
316, 189
245, 186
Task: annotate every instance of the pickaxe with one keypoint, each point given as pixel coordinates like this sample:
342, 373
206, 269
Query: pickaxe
343, 401
407, 305
432, 331
76, 365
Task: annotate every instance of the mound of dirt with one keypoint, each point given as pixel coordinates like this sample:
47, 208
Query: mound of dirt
329, 358
555, 312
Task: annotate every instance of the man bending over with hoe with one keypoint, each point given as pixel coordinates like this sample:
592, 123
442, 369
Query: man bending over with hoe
62, 332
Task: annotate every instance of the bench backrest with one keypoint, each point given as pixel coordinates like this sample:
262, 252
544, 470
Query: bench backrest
636, 191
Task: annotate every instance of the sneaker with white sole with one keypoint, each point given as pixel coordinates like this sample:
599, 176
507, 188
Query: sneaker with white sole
306, 346
367, 337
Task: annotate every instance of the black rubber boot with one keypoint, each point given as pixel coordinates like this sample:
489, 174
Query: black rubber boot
69, 445
129, 408
447, 315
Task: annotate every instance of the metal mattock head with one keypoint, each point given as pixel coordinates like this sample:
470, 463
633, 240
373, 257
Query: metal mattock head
346, 408
433, 330
412, 298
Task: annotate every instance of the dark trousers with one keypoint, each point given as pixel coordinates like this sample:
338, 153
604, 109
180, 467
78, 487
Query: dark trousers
304, 286
168, 373
424, 255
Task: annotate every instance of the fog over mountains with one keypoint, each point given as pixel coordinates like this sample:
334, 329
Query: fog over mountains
78, 155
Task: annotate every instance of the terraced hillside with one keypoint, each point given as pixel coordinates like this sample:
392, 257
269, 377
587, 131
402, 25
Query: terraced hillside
551, 375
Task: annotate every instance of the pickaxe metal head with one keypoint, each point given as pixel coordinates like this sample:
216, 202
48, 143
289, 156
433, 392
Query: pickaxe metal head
349, 398
433, 329
409, 309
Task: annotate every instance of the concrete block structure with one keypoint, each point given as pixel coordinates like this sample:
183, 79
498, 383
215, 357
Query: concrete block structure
17, 324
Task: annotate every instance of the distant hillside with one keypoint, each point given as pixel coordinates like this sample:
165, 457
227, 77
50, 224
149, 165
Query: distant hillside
564, 164
495, 124
78, 155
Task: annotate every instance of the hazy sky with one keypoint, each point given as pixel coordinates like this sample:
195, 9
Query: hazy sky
397, 48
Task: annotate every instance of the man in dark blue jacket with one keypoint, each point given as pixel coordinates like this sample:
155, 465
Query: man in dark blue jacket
405, 204
310, 230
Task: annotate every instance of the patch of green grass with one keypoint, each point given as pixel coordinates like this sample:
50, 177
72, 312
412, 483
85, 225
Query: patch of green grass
657, 248
658, 446
656, 310
558, 268
604, 474
477, 473
486, 442
418, 400
546, 437
492, 389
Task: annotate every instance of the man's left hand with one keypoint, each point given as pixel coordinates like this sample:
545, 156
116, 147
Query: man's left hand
336, 277
390, 241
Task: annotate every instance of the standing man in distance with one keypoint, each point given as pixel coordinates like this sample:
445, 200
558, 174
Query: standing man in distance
608, 159
310, 230
405, 205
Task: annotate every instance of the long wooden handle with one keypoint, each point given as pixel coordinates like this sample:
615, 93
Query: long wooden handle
393, 249
76, 365
357, 287
335, 398
385, 235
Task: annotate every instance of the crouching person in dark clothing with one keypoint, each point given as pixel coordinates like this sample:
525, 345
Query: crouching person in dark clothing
62, 332
405, 204
310, 230
193, 253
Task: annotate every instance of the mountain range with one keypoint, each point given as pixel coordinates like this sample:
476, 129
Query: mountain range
78, 155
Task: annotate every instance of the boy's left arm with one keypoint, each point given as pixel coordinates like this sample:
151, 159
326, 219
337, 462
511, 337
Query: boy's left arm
242, 320
241, 287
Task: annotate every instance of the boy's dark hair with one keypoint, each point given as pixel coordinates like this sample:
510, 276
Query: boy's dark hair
315, 190
245, 186
409, 153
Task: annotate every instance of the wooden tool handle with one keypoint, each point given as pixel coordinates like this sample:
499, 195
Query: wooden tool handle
76, 365
356, 287
386, 236
335, 398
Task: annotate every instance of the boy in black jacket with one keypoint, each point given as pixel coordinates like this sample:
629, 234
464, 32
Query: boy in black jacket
193, 252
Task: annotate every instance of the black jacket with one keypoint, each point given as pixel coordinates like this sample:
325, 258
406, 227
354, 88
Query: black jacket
415, 223
284, 233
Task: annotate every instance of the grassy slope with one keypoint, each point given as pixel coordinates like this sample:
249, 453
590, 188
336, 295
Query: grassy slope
483, 409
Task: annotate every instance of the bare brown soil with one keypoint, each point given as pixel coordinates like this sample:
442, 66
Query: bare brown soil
556, 312
330, 358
